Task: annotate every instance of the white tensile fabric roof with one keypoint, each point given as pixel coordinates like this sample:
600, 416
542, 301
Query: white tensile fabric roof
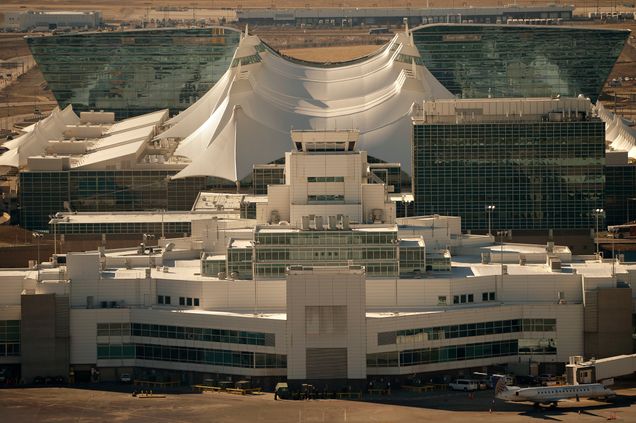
33, 142
246, 118
618, 133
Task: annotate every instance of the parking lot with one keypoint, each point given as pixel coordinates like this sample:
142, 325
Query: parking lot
49, 404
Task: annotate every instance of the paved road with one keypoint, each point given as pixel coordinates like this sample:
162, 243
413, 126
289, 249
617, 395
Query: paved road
66, 404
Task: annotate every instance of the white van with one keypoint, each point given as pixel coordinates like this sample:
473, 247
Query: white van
464, 385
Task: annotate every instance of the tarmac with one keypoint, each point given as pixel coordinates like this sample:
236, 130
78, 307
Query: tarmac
63, 404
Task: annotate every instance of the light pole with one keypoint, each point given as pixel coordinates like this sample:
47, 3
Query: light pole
146, 238
54, 223
489, 210
598, 213
37, 236
501, 243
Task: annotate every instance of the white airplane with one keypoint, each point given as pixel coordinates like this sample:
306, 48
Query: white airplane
550, 394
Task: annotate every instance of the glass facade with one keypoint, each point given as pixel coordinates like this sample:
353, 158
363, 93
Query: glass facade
443, 354
124, 228
239, 262
44, 193
9, 338
264, 175
412, 261
540, 175
275, 251
620, 194
134, 72
189, 333
212, 267
477, 61
213, 357
409, 336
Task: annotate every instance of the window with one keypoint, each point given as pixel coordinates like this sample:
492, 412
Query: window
471, 298
488, 296
455, 299
186, 301
325, 179
160, 299
325, 198
167, 299
463, 298
191, 355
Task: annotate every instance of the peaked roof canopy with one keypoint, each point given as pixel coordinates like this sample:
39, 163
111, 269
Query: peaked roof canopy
246, 117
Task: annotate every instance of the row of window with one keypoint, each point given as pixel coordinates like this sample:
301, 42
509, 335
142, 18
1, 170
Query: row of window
443, 354
325, 179
463, 299
309, 238
325, 198
293, 255
407, 336
183, 301
9, 349
188, 301
9, 331
184, 332
212, 357
124, 228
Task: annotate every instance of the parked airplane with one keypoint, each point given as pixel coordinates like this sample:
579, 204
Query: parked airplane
550, 394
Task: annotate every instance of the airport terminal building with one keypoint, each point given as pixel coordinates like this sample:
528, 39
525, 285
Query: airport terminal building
233, 136
325, 285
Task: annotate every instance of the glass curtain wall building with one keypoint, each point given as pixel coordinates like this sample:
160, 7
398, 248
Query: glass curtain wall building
277, 249
540, 175
134, 72
479, 61
45, 193
620, 194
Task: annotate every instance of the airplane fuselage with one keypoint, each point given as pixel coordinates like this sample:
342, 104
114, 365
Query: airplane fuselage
553, 394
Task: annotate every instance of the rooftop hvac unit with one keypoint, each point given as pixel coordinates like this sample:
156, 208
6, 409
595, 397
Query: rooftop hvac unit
222, 275
274, 217
234, 275
332, 223
318, 223
485, 258
377, 216
504, 269
522, 260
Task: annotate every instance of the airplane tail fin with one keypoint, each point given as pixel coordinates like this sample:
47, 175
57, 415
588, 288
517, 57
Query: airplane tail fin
501, 386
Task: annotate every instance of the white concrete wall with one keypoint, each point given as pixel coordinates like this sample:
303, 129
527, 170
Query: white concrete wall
569, 333
326, 288
84, 338
387, 293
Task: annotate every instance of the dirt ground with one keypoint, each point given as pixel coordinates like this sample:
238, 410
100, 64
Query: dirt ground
120, 8
67, 404
330, 54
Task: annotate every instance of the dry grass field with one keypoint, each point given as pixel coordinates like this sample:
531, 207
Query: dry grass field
130, 9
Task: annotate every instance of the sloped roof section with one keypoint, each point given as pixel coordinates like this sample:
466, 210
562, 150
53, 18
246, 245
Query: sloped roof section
246, 118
